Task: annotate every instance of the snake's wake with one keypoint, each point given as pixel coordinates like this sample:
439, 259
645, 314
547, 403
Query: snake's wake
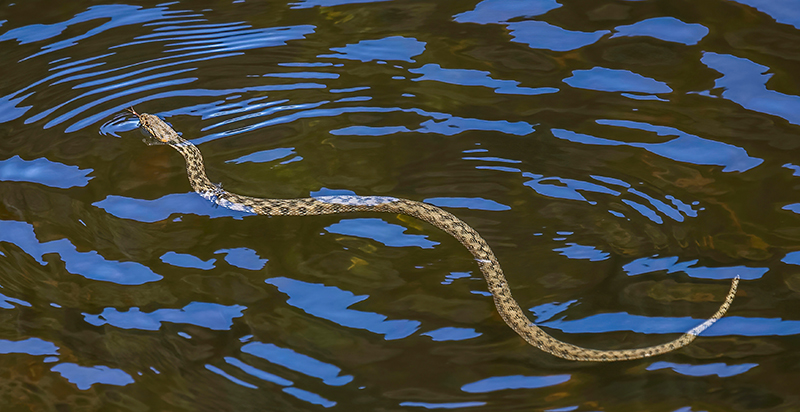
508, 308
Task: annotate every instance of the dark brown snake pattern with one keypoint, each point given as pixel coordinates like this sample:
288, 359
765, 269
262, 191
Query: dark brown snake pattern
508, 308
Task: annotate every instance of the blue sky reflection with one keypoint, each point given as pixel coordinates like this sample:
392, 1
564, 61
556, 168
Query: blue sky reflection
155, 210
665, 28
84, 377
563, 188
576, 251
611, 80
542, 35
783, 11
745, 83
474, 203
451, 333
671, 265
44, 172
30, 346
208, 315
387, 49
719, 369
683, 148
90, 265
380, 231
187, 261
332, 303
442, 405
288, 358
243, 258
500, 11
468, 77
498, 383
265, 156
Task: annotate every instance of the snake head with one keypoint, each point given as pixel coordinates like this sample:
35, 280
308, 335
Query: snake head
157, 130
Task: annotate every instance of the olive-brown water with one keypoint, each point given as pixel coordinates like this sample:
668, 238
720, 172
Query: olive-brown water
624, 159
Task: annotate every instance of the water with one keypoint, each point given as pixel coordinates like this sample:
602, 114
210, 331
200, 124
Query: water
624, 160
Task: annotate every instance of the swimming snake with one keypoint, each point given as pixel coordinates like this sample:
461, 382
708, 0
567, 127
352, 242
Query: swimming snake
507, 307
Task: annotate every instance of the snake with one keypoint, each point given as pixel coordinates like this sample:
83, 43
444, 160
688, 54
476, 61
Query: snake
159, 132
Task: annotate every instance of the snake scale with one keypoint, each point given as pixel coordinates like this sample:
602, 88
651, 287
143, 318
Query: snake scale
508, 308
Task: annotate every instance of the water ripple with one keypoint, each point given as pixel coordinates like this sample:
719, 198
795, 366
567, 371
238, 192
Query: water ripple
498, 11
208, 315
609, 80
720, 369
117, 15
584, 140
389, 48
497, 383
31, 346
744, 82
380, 231
44, 172
332, 303
665, 28
329, 374
463, 77
84, 377
683, 148
186, 44
149, 211
90, 265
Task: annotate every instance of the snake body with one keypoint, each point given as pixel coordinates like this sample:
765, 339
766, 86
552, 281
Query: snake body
507, 307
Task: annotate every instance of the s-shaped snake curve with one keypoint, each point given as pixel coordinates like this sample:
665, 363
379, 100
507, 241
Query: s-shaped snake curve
508, 308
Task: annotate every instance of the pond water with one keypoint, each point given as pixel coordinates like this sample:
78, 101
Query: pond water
624, 159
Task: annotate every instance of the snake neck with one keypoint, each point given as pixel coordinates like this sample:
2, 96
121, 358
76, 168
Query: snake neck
195, 167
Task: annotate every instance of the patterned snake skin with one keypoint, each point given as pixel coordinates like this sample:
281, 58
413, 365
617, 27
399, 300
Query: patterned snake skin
508, 308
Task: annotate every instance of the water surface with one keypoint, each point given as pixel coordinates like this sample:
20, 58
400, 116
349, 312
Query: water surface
624, 160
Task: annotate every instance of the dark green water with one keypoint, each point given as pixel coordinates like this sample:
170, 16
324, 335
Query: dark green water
624, 159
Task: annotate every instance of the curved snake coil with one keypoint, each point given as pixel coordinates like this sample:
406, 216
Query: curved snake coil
508, 308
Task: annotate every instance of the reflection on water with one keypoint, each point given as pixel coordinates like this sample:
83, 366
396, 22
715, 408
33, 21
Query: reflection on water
90, 264
625, 161
44, 172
